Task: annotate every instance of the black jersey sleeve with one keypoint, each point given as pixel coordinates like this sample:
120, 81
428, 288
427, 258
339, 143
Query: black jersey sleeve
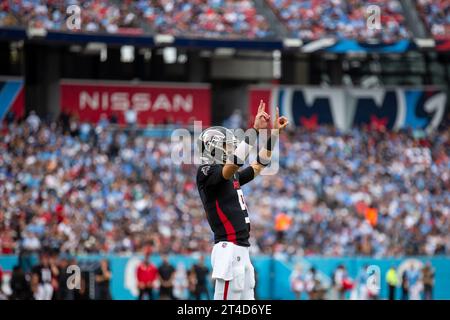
246, 175
210, 175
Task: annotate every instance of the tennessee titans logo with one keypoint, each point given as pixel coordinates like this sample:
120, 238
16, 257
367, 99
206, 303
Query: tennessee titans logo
415, 108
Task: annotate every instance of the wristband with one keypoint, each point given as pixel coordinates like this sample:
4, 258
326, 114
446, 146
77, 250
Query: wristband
270, 142
263, 162
251, 138
241, 153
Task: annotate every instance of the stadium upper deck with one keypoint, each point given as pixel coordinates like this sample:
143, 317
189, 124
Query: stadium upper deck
304, 19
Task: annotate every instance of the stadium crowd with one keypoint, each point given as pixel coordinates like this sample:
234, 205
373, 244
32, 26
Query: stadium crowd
96, 15
316, 19
367, 192
415, 282
306, 19
76, 188
436, 15
49, 276
205, 18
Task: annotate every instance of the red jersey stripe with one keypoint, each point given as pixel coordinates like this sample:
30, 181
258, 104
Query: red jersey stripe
229, 229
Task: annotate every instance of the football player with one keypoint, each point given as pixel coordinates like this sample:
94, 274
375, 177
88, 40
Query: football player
219, 181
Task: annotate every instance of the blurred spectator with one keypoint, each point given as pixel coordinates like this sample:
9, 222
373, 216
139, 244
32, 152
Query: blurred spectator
30, 242
19, 284
146, 275
3, 295
166, 278
83, 293
192, 284
201, 273
436, 15
41, 278
297, 281
414, 283
1, 282
405, 286
282, 224
180, 283
102, 280
428, 281
360, 290
392, 282
54, 267
63, 292
33, 121
314, 286
373, 284
131, 117
342, 282
316, 19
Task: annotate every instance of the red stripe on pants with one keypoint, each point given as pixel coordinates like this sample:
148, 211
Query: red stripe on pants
225, 291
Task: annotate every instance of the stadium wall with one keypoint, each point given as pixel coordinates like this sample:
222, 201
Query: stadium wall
272, 274
157, 102
11, 97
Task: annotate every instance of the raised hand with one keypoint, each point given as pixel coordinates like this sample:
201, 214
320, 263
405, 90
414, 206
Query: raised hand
262, 118
280, 122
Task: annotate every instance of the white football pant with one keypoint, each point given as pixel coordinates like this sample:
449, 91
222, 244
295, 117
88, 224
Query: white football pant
233, 272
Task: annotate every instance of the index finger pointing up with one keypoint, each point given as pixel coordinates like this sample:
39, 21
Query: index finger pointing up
262, 106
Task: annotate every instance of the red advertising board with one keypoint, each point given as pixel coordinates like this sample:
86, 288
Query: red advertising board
154, 103
256, 94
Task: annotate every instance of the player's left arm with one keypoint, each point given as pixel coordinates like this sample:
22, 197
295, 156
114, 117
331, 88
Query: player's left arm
265, 153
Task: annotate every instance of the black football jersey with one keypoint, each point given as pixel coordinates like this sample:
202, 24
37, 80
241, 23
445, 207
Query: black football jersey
224, 203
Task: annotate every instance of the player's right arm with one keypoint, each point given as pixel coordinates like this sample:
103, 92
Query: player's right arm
228, 170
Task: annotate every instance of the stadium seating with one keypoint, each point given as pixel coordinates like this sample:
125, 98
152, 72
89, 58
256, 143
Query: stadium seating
198, 18
78, 188
315, 19
205, 18
391, 17
436, 15
96, 15
304, 19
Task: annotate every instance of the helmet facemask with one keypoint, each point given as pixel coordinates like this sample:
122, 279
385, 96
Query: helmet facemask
217, 145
